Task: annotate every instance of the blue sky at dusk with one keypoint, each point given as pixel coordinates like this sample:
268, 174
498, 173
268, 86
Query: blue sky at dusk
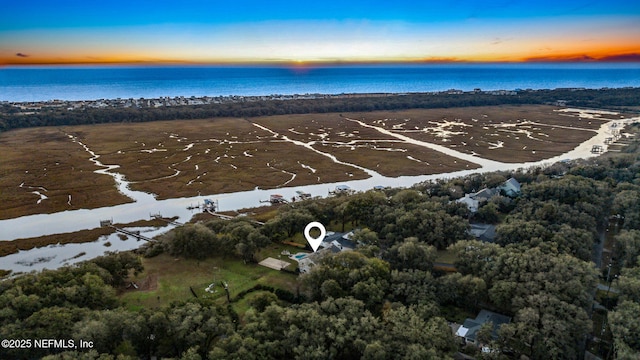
59, 32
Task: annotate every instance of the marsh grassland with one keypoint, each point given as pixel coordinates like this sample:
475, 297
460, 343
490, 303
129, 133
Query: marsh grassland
46, 169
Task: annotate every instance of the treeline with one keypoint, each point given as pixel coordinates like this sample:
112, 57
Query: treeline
10, 118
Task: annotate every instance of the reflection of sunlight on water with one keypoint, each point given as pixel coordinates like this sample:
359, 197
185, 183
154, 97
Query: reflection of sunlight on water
146, 204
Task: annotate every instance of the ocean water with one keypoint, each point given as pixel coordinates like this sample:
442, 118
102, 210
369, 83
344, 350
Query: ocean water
110, 82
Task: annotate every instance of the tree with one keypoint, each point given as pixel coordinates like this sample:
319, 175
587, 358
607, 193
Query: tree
573, 241
289, 222
628, 247
262, 300
488, 213
625, 329
569, 190
627, 204
476, 257
119, 264
408, 198
515, 231
335, 328
366, 279
408, 335
248, 240
106, 329
629, 284
86, 355
365, 237
191, 241
411, 254
545, 327
360, 206
428, 221
412, 287
191, 325
463, 290
556, 238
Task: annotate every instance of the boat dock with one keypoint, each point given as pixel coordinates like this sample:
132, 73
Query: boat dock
135, 234
228, 217
169, 221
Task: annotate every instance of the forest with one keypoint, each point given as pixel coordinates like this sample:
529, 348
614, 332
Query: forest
387, 299
624, 99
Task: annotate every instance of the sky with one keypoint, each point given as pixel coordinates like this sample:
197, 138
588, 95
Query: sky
328, 31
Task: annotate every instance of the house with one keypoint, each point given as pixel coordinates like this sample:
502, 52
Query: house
470, 327
332, 243
483, 232
342, 190
510, 187
485, 194
473, 201
470, 201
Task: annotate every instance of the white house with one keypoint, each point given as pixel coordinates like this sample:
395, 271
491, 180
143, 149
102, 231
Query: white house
510, 187
470, 201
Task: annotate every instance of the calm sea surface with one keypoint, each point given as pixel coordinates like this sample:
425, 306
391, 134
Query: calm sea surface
109, 82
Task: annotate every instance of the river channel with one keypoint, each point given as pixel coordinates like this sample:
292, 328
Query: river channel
145, 205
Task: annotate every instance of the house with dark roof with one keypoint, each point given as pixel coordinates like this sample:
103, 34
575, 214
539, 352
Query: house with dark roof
485, 194
333, 242
510, 187
483, 232
470, 327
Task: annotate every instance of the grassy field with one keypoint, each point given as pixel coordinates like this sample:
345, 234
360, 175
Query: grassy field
167, 279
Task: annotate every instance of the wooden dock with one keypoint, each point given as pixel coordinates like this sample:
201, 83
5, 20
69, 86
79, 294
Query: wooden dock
227, 217
169, 221
135, 234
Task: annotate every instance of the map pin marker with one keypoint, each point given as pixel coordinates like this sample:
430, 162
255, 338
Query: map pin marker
314, 242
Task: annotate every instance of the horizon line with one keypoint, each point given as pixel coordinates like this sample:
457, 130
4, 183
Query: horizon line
303, 64
628, 58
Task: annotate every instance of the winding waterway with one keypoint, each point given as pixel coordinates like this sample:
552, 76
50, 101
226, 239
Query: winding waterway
145, 204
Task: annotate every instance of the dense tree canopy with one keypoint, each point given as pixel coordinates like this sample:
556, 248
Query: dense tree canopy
338, 329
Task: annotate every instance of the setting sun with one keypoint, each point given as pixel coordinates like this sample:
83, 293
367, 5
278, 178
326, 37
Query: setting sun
250, 32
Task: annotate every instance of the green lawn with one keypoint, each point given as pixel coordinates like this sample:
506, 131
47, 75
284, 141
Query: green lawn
336, 226
175, 276
446, 257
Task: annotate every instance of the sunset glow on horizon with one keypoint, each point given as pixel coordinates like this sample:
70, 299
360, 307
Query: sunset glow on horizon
281, 32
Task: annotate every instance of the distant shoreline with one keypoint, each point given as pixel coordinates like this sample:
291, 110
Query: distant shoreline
194, 100
15, 115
